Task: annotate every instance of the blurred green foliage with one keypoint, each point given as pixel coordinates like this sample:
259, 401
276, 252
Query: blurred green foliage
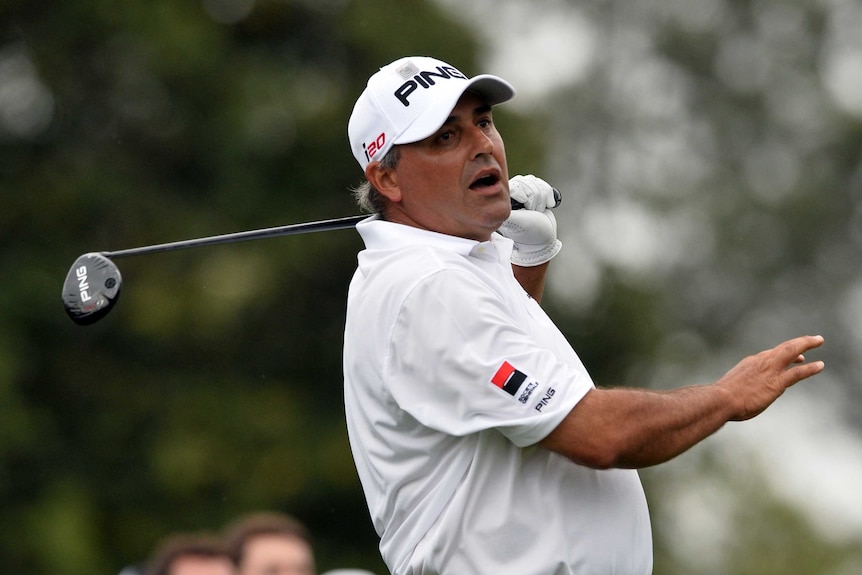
214, 387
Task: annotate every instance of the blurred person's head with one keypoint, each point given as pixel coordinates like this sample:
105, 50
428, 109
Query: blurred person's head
270, 544
189, 554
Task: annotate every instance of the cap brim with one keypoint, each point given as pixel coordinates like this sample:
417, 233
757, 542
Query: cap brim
492, 89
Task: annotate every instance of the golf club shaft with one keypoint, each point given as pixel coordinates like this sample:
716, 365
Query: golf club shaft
303, 228
288, 230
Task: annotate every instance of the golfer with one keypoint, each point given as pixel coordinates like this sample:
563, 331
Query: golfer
482, 444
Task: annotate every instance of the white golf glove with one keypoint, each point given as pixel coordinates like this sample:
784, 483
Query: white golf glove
534, 227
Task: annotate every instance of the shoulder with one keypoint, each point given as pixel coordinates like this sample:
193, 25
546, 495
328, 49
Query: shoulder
410, 264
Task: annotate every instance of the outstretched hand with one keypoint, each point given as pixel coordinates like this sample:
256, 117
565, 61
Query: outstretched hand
758, 380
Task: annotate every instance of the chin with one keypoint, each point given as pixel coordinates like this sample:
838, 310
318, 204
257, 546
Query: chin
495, 223
503, 210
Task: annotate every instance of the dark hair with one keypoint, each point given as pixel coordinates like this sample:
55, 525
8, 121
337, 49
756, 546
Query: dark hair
185, 545
240, 532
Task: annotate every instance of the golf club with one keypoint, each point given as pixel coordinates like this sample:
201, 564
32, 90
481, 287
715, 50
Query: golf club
93, 283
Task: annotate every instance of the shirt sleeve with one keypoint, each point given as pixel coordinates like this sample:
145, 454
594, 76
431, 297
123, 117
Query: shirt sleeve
462, 360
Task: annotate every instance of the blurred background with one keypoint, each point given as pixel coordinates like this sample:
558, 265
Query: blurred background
710, 156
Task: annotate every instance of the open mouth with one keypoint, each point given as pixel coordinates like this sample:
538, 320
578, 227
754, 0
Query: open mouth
485, 182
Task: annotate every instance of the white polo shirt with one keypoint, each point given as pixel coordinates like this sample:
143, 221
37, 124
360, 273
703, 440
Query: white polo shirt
452, 375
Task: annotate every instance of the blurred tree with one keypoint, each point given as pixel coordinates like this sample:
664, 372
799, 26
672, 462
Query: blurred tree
710, 156
713, 152
214, 388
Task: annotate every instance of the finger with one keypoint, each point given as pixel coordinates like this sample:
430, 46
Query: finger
533, 193
793, 348
803, 371
520, 191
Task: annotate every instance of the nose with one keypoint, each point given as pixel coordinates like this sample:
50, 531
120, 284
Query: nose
483, 144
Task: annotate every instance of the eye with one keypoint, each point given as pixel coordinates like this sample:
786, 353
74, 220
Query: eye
446, 136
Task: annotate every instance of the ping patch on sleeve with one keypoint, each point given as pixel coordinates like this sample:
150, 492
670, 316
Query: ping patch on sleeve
508, 378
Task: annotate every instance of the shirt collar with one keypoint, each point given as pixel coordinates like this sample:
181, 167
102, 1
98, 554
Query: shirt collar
381, 234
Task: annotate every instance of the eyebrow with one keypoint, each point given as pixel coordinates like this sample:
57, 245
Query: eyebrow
477, 111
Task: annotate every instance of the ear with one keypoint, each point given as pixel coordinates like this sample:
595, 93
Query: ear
384, 180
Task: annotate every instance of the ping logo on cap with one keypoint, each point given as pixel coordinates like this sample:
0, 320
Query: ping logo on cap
422, 79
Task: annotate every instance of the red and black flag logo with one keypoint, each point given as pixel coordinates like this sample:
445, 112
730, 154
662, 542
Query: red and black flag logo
508, 378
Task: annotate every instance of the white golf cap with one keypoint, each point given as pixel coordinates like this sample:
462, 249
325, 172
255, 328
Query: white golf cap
408, 100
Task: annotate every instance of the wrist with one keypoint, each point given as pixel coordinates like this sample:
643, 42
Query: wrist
530, 256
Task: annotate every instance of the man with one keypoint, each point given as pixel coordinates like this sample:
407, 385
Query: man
480, 440
186, 554
270, 543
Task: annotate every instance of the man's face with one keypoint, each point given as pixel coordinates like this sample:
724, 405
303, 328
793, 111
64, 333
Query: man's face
455, 181
277, 555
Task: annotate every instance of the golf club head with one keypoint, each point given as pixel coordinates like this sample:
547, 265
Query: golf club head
91, 288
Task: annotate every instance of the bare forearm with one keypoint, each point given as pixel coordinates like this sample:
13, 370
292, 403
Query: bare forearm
532, 279
639, 428
666, 424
